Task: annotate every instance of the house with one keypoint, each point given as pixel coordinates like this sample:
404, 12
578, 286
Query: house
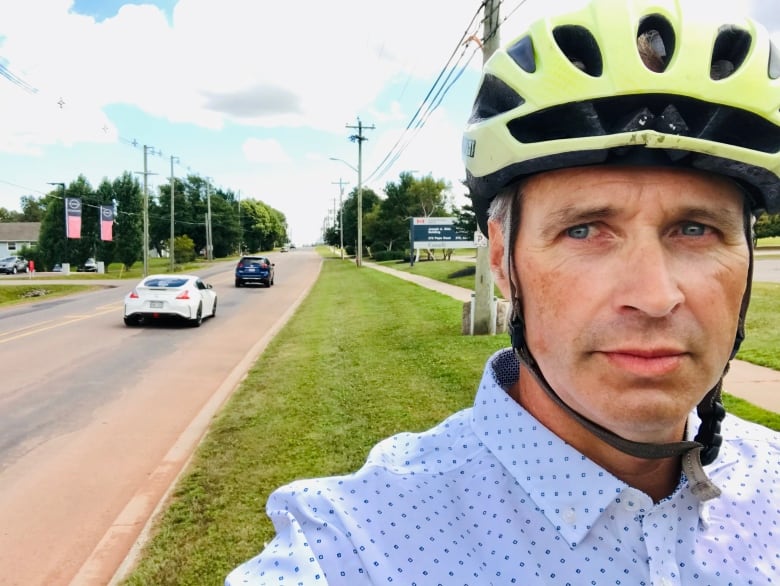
16, 235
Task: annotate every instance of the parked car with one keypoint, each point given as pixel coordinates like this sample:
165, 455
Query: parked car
89, 266
12, 265
177, 297
254, 269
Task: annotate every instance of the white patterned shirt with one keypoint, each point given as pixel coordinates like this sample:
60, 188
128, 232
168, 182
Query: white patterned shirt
490, 496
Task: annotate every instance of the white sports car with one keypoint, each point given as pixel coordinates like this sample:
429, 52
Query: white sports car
159, 297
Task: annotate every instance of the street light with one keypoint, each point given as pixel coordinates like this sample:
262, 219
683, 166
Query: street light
359, 250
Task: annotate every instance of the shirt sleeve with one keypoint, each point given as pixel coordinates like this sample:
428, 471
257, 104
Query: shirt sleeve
287, 560
311, 546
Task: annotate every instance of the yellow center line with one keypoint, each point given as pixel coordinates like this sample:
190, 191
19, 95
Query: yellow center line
6, 337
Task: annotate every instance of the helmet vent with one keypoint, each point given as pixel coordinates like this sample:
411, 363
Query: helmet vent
655, 41
522, 52
731, 48
494, 97
774, 61
580, 47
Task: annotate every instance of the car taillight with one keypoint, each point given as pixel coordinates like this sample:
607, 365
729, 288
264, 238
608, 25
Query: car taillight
133, 294
240, 265
183, 295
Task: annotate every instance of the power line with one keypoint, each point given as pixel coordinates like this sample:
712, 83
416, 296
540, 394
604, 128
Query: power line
441, 88
427, 106
16, 80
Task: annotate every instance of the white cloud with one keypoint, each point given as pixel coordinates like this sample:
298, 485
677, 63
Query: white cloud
264, 151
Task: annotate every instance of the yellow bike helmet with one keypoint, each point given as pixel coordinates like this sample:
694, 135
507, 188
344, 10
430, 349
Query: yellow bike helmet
583, 88
645, 82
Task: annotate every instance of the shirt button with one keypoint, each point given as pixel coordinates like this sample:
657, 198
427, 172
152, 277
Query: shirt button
570, 516
631, 505
666, 582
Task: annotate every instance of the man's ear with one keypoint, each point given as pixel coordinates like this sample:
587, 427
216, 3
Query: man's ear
498, 257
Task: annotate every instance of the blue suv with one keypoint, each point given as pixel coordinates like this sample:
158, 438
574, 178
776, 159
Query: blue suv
254, 269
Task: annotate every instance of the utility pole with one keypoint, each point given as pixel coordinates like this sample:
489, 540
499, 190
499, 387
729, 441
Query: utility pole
240, 228
483, 310
359, 138
209, 243
341, 185
173, 234
146, 174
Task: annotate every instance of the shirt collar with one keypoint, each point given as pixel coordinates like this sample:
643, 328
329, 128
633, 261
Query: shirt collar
571, 490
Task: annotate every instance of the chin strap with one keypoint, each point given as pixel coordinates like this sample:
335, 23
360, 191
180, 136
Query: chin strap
703, 450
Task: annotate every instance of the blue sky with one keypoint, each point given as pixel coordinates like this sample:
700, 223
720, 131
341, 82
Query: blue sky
254, 94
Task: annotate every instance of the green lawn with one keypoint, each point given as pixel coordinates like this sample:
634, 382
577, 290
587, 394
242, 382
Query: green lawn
346, 371
762, 329
454, 272
36, 291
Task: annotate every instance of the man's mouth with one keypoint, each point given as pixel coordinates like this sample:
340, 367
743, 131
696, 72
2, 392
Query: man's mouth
644, 362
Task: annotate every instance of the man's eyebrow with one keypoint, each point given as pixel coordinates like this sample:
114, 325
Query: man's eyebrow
573, 216
723, 219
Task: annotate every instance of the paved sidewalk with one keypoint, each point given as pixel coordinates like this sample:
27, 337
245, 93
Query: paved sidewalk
756, 384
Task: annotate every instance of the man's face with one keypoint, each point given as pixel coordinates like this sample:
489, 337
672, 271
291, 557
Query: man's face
631, 281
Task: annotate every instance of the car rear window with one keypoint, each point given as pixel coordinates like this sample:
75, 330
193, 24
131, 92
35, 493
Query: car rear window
254, 260
170, 283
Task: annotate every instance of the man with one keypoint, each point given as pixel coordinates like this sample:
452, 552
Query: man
616, 158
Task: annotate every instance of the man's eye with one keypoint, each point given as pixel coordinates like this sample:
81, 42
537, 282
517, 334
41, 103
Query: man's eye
578, 232
693, 229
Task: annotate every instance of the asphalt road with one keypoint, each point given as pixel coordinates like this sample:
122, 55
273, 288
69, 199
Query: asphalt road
97, 420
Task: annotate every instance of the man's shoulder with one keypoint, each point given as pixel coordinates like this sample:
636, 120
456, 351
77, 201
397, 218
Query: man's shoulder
748, 444
737, 429
436, 451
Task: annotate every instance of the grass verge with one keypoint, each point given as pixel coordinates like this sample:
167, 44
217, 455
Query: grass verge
385, 358
16, 294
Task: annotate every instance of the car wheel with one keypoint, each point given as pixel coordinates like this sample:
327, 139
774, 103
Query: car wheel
238, 282
131, 321
13, 271
214, 309
195, 323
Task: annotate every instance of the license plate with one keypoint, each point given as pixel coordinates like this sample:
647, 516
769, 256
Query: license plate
155, 304
252, 269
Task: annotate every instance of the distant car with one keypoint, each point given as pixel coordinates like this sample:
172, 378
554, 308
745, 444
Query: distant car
89, 266
177, 297
254, 269
57, 268
12, 265
284, 249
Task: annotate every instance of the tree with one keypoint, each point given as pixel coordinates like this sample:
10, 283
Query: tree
224, 224
53, 244
263, 227
408, 198
370, 199
32, 208
128, 223
466, 219
184, 248
768, 225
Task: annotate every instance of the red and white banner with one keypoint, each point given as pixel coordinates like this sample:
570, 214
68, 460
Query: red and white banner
73, 217
106, 223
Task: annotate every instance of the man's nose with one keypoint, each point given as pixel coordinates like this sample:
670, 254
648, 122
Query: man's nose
649, 280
